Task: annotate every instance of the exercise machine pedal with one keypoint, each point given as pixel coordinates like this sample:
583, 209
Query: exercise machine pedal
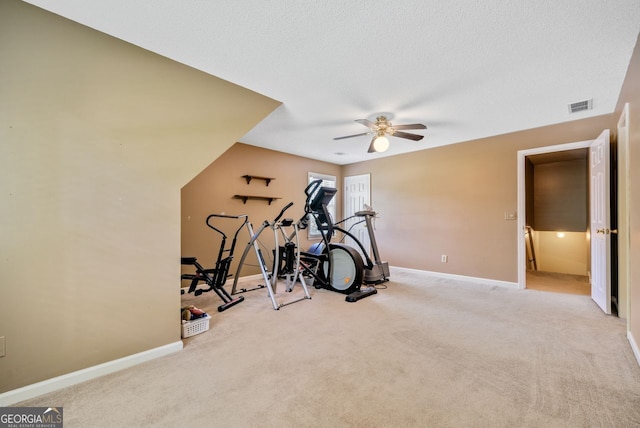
361, 294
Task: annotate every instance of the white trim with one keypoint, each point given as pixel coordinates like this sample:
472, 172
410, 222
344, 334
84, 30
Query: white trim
623, 226
522, 154
69, 379
634, 346
484, 281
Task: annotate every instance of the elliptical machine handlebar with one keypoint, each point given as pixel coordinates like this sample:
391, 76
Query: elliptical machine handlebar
312, 187
309, 191
242, 216
225, 216
275, 220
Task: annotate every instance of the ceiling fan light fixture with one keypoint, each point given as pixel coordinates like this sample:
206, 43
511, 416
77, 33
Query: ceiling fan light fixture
381, 144
382, 129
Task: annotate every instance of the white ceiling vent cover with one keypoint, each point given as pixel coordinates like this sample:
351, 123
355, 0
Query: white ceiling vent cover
581, 106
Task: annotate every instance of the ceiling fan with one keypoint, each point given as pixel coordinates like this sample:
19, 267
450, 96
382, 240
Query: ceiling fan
381, 128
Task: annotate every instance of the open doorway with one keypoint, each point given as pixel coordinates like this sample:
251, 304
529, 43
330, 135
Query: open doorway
556, 221
601, 259
557, 245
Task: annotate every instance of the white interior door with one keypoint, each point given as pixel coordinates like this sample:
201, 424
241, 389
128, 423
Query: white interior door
600, 222
357, 193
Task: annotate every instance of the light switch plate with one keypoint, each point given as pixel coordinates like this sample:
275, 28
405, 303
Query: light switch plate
510, 215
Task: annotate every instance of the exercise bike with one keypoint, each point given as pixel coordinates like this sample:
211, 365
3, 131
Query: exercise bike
336, 267
215, 277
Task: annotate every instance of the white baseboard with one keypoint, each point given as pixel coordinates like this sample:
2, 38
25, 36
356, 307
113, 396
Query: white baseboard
634, 346
69, 379
484, 281
436, 274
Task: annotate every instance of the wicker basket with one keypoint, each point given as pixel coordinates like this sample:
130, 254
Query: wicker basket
191, 328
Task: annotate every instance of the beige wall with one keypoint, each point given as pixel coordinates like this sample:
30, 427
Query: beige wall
452, 200
560, 196
96, 139
566, 254
212, 192
630, 93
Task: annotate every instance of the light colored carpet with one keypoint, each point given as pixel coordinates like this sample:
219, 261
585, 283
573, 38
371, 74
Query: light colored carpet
425, 352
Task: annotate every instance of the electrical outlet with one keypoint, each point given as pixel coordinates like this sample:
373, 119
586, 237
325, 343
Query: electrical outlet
510, 215
444, 258
2, 349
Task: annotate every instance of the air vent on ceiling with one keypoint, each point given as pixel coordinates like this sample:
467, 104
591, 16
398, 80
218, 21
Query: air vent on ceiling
581, 106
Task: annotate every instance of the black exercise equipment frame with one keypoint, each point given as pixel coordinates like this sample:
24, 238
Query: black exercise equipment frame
215, 277
318, 197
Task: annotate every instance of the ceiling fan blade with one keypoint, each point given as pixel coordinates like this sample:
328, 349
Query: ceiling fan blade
368, 124
351, 136
408, 136
371, 148
412, 126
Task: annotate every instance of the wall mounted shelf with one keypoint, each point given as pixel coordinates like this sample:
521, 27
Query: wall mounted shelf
248, 177
245, 198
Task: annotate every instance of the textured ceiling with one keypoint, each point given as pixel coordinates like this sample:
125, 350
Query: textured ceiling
467, 69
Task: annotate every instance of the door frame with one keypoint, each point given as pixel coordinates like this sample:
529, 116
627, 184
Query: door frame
623, 214
522, 200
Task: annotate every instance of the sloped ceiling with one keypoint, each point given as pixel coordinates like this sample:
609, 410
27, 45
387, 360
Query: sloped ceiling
467, 69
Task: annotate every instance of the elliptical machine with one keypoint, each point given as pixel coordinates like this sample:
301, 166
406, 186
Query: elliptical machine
285, 263
337, 267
